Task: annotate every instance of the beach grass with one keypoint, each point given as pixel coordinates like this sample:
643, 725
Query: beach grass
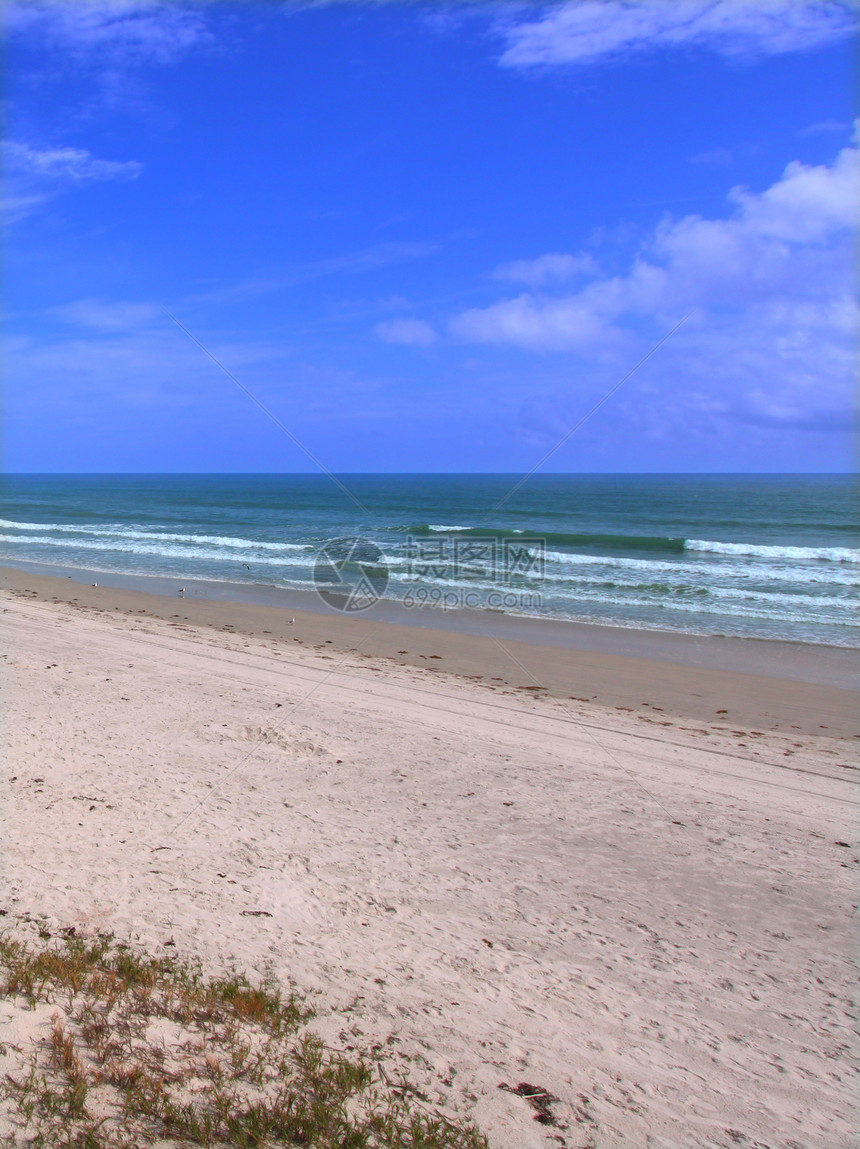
142, 1050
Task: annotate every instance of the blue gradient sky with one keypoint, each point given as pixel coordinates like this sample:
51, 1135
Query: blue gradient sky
430, 237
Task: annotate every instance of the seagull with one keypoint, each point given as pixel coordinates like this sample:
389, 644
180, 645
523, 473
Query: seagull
182, 590
94, 584
290, 623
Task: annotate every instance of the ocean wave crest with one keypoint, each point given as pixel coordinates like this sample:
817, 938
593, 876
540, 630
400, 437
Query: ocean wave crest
175, 551
592, 540
759, 550
120, 532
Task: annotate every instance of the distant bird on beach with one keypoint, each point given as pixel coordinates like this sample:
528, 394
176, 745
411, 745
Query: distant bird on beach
182, 590
94, 584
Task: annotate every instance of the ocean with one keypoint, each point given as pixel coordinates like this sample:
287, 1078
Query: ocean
766, 556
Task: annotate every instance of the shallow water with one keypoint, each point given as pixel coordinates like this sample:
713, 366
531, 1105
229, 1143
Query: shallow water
765, 556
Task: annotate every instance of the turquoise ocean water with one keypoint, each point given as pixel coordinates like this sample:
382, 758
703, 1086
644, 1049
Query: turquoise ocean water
764, 556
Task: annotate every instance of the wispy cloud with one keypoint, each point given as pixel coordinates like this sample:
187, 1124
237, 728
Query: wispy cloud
719, 157
824, 127
66, 164
18, 204
547, 268
585, 31
128, 31
723, 157
120, 358
416, 332
109, 44
98, 315
353, 262
34, 175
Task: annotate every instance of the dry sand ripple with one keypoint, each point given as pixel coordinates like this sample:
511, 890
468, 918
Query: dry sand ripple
650, 924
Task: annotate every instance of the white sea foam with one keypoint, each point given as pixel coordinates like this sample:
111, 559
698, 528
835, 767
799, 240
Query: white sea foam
126, 546
121, 532
807, 611
685, 571
214, 540
807, 588
755, 604
687, 585
846, 602
713, 546
8, 524
776, 553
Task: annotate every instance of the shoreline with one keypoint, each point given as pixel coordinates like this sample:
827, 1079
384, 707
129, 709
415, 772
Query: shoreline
781, 687
818, 663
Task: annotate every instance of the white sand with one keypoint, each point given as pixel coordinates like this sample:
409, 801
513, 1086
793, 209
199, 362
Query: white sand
652, 922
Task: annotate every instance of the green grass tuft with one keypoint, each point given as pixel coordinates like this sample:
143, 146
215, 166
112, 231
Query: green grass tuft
145, 1051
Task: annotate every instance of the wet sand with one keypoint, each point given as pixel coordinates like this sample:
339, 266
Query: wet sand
788, 687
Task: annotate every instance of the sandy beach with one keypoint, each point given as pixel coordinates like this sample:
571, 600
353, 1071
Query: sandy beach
627, 881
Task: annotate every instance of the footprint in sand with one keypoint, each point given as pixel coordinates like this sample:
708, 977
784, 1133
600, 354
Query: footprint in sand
300, 747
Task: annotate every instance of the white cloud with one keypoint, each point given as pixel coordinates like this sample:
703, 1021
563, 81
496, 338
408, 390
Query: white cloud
553, 265
824, 127
107, 317
720, 157
75, 164
34, 175
775, 322
416, 332
126, 30
583, 31
17, 205
575, 322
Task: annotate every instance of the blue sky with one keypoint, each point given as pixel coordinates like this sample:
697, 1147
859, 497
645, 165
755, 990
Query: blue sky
430, 237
